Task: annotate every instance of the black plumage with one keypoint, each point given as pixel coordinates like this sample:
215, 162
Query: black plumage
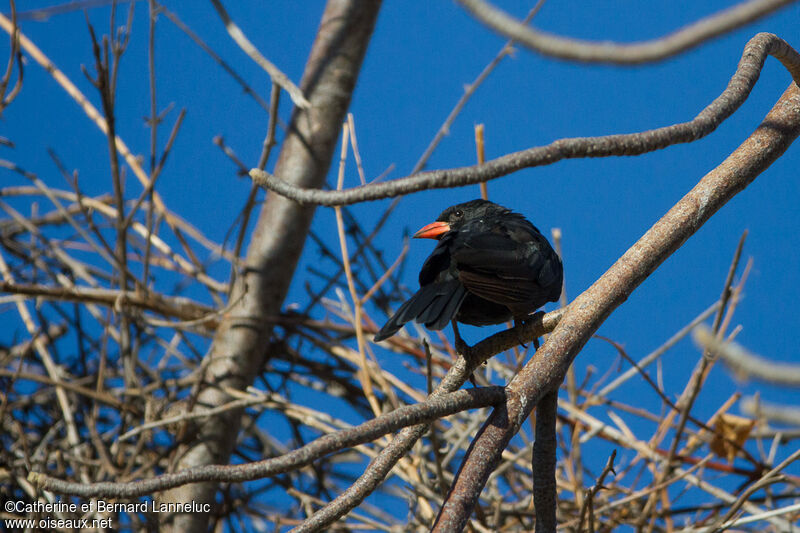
489, 266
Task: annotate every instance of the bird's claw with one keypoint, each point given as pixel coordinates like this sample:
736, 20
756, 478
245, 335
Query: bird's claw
520, 324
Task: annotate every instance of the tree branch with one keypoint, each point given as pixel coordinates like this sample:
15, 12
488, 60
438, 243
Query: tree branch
547, 367
421, 413
746, 364
178, 307
739, 87
544, 463
622, 54
402, 443
242, 339
277, 77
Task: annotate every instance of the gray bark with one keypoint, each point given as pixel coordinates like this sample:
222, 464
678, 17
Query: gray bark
240, 346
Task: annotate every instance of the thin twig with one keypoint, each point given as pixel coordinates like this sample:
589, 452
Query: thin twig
248, 48
590, 493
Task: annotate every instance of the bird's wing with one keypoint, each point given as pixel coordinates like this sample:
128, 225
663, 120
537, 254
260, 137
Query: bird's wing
436, 263
510, 268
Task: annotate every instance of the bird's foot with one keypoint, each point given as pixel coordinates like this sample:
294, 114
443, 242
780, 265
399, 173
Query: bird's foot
518, 324
536, 317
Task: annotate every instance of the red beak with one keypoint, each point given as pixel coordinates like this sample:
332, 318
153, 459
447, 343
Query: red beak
434, 230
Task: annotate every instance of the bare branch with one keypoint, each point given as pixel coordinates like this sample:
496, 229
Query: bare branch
591, 493
745, 363
181, 308
623, 54
402, 443
278, 77
549, 365
422, 413
243, 341
722, 107
655, 354
544, 463
279, 392
782, 414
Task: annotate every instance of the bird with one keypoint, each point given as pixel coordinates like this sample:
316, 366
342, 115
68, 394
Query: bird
490, 265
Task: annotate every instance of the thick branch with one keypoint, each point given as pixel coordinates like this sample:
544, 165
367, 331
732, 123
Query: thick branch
547, 367
622, 54
775, 413
405, 416
746, 364
379, 468
721, 108
239, 348
544, 463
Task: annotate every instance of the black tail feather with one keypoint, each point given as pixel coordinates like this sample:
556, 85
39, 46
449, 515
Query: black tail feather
437, 301
434, 305
394, 324
450, 310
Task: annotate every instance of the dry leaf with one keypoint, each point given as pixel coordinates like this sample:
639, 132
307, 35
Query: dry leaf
730, 429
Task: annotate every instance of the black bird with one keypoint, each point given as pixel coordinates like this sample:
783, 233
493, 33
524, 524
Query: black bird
490, 265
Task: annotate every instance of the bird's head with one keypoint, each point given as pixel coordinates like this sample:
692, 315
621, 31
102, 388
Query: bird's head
457, 216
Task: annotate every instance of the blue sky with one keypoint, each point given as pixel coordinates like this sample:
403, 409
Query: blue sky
421, 56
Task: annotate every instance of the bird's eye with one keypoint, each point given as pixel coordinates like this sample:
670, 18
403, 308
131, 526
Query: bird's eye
458, 213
